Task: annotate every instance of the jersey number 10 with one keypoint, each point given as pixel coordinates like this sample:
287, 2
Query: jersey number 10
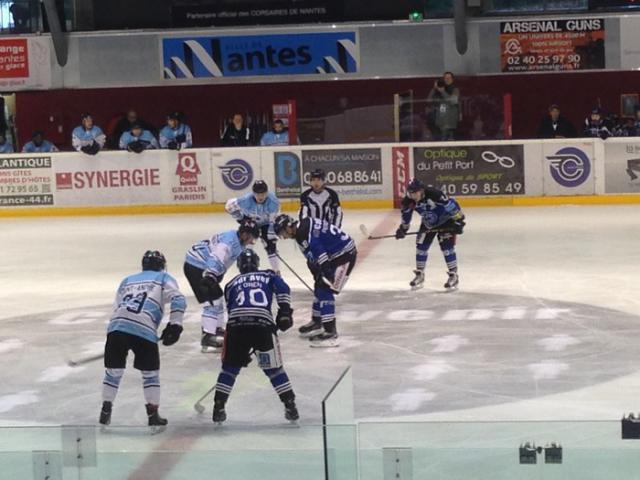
257, 298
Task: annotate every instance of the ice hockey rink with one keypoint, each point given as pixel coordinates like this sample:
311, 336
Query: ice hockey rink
544, 325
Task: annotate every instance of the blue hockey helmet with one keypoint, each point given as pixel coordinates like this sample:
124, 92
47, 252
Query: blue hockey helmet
248, 261
153, 260
282, 222
415, 185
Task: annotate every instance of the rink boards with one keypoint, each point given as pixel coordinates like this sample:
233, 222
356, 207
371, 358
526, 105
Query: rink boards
530, 172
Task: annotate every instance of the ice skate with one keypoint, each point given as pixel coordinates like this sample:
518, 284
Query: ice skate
209, 343
452, 281
220, 333
219, 413
314, 327
418, 281
105, 414
324, 340
290, 411
156, 422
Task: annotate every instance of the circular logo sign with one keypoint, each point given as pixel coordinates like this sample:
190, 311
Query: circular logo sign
570, 166
237, 174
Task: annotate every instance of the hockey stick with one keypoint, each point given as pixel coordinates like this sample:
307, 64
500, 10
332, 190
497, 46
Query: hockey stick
365, 232
294, 272
83, 361
198, 405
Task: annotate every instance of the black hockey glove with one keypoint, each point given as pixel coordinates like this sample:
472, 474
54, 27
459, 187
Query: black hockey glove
94, 148
181, 138
458, 226
91, 149
284, 318
212, 286
604, 134
172, 145
136, 147
171, 334
401, 232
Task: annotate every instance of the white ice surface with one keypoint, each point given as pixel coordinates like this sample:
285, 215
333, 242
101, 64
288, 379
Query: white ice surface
582, 254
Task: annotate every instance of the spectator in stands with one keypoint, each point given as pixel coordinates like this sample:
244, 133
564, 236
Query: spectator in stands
125, 124
87, 138
5, 143
636, 122
175, 135
626, 127
138, 140
277, 136
555, 125
444, 98
595, 126
38, 144
236, 133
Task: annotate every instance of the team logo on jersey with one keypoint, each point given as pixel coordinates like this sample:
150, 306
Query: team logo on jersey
188, 169
236, 174
570, 166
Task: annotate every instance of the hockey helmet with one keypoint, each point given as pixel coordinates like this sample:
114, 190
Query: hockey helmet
282, 222
249, 226
318, 173
260, 186
415, 185
153, 260
248, 261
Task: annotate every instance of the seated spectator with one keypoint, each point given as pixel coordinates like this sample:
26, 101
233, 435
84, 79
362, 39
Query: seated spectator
555, 125
595, 126
87, 138
125, 124
277, 136
236, 133
138, 140
38, 144
175, 135
5, 144
626, 127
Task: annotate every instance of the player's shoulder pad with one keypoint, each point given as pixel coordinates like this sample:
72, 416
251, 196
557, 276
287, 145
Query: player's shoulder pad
304, 228
435, 195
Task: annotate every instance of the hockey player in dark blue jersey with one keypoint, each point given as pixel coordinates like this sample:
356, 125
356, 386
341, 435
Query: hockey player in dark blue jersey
331, 256
441, 216
251, 329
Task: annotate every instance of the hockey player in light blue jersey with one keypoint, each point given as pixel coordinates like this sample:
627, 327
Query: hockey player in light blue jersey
252, 329
137, 314
175, 135
138, 140
38, 144
261, 206
205, 264
331, 256
88, 138
5, 143
440, 215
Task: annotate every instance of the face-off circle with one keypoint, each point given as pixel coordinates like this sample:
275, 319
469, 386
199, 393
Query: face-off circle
411, 353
